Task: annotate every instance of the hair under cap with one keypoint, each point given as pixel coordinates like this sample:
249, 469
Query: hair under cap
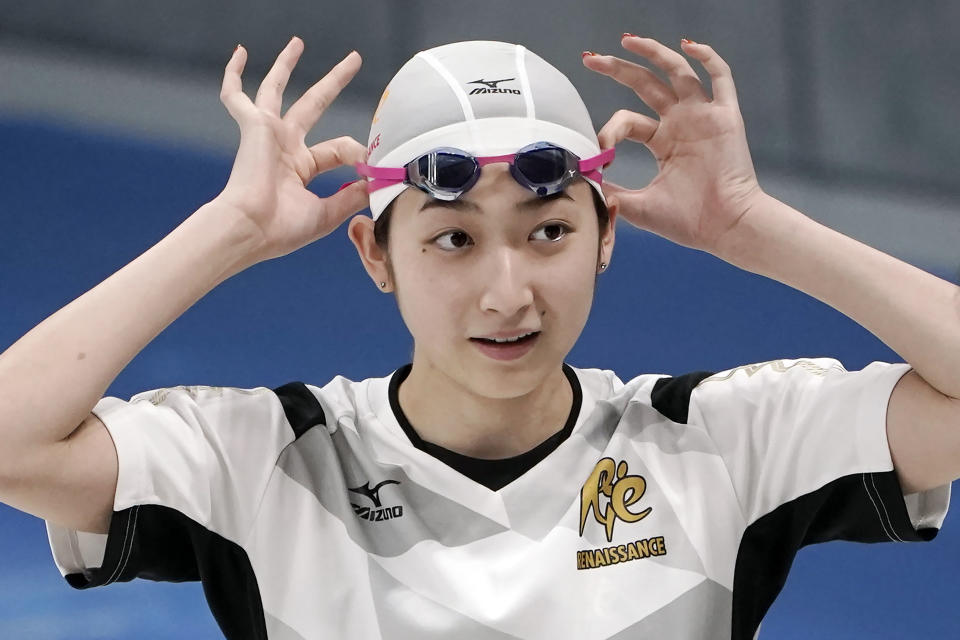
485, 97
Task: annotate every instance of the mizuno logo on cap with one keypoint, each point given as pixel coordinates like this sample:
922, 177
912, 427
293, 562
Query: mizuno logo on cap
491, 86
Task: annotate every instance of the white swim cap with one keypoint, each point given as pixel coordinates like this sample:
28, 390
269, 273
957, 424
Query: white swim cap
485, 97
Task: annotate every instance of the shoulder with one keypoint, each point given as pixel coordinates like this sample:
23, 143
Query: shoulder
672, 395
780, 370
669, 395
301, 407
300, 404
201, 394
307, 405
793, 389
771, 380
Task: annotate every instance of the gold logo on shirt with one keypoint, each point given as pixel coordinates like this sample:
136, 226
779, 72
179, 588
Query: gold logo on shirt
779, 366
619, 491
609, 492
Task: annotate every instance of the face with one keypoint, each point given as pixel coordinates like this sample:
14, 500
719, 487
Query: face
497, 263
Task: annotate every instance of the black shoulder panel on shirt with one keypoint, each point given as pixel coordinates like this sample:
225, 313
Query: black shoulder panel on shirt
159, 543
862, 507
671, 396
302, 408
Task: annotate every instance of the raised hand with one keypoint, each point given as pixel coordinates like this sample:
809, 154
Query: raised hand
267, 184
706, 182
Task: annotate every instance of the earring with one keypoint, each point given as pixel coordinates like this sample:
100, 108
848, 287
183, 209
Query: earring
383, 285
603, 265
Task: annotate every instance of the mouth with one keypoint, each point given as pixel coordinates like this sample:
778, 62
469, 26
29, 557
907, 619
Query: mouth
520, 337
507, 347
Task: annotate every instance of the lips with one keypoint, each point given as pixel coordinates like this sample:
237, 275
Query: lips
507, 347
505, 338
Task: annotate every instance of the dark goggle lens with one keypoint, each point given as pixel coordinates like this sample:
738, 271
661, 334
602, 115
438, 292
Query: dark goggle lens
449, 171
542, 166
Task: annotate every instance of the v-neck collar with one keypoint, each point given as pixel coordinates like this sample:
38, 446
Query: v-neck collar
493, 474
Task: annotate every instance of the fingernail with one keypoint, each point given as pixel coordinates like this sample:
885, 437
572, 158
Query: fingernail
685, 41
628, 35
237, 47
587, 53
345, 185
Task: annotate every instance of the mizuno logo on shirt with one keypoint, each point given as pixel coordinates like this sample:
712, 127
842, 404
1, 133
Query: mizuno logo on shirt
378, 512
374, 493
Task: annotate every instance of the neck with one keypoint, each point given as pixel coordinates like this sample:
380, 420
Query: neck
446, 413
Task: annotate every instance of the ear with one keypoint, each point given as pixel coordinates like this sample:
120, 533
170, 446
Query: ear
373, 257
609, 235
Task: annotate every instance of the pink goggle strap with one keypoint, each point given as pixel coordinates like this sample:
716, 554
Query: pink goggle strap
382, 177
588, 167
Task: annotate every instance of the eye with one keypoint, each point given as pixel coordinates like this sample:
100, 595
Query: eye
453, 240
551, 232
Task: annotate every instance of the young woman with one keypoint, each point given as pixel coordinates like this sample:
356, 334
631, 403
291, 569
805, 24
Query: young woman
487, 489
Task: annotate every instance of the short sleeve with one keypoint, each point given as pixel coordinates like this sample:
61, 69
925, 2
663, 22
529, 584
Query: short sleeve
194, 463
805, 445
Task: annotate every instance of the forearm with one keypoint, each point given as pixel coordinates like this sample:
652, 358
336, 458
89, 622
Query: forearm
913, 312
52, 377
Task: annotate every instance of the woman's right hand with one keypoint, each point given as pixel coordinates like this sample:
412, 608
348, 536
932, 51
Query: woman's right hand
267, 184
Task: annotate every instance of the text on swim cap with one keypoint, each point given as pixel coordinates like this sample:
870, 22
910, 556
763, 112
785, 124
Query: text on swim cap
373, 145
490, 86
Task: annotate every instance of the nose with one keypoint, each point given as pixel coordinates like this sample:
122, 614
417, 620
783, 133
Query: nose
507, 288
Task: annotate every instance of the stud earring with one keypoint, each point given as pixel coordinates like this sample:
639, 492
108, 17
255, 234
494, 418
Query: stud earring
383, 285
603, 265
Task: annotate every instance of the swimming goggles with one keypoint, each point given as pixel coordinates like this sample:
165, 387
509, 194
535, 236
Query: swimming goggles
446, 173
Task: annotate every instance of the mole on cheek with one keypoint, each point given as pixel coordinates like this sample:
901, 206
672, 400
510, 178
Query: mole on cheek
81, 355
423, 250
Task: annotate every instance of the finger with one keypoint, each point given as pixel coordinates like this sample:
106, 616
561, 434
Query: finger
629, 203
307, 110
611, 188
231, 90
684, 79
338, 152
270, 93
654, 92
627, 125
333, 210
721, 78
611, 191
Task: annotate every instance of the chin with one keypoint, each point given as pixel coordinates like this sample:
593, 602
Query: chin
502, 381
467, 367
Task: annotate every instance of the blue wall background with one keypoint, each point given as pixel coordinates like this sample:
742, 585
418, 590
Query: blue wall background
75, 207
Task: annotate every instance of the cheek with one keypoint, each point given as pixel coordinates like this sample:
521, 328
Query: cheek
575, 268
428, 296
568, 284
568, 288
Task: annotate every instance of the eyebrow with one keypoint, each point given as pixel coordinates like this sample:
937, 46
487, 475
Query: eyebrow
532, 204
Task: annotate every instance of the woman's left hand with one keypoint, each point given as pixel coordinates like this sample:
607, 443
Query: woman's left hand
706, 184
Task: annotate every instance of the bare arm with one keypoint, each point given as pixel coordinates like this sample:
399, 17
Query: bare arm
56, 460
913, 312
77, 352
706, 196
81, 348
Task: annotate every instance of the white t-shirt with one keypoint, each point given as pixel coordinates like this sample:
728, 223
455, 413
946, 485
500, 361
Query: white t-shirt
673, 509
